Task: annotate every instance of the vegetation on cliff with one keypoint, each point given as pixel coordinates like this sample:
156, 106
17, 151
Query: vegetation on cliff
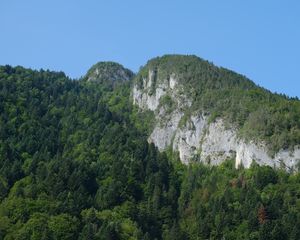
75, 164
255, 111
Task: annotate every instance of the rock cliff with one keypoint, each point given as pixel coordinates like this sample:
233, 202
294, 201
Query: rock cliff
192, 132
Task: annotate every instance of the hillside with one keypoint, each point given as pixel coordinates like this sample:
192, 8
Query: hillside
208, 114
76, 162
72, 166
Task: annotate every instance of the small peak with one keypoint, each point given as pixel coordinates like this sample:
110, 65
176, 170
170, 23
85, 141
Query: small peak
175, 64
108, 72
174, 59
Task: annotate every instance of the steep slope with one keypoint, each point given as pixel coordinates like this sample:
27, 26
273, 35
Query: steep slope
75, 164
209, 114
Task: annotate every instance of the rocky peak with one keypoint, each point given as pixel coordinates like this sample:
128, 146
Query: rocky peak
108, 72
207, 113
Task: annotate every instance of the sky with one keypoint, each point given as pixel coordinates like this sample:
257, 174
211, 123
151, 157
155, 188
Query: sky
259, 39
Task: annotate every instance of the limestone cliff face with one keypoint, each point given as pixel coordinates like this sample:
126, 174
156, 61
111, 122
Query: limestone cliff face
193, 135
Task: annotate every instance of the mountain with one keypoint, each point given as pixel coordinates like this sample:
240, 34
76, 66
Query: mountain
79, 158
209, 114
108, 73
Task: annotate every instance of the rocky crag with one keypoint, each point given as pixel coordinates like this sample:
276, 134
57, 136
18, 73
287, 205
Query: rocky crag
191, 131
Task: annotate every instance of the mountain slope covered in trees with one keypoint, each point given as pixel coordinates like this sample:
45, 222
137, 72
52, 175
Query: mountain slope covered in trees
75, 164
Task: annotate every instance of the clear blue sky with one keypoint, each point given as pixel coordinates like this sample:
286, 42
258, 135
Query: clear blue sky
258, 38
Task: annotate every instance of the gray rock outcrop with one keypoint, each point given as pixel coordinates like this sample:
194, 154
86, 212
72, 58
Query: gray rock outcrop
194, 136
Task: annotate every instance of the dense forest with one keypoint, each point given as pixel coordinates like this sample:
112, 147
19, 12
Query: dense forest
75, 164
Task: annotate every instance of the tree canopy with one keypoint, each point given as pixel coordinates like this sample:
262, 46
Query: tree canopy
75, 164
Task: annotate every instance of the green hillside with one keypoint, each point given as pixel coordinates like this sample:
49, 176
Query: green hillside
75, 163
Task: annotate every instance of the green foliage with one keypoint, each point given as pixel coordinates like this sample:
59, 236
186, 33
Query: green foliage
168, 103
63, 227
256, 112
143, 120
67, 146
108, 74
225, 203
75, 164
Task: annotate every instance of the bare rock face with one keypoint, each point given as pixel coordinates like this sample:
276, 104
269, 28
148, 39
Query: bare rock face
188, 138
194, 136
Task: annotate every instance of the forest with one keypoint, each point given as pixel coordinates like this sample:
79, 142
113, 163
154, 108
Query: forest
75, 164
